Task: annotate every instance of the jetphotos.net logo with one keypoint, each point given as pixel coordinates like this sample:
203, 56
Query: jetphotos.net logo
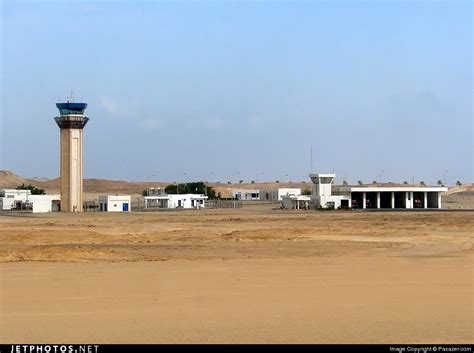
56, 348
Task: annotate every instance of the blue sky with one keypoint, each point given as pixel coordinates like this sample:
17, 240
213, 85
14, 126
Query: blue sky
178, 90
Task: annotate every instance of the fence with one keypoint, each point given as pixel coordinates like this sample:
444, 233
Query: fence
224, 204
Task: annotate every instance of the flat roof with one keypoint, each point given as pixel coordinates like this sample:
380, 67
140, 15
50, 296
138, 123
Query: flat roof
163, 197
167, 196
396, 188
297, 197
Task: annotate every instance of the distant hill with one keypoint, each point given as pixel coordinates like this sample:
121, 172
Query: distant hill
460, 189
11, 180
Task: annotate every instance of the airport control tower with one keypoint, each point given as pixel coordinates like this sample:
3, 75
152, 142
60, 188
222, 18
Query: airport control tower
71, 122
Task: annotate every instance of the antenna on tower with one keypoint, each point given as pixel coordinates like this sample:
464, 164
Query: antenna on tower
311, 159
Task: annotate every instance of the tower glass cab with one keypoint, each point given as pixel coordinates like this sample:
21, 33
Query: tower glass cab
322, 183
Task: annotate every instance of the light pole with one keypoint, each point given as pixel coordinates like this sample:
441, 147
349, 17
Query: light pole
184, 181
232, 176
205, 182
381, 175
256, 177
444, 177
148, 180
150, 176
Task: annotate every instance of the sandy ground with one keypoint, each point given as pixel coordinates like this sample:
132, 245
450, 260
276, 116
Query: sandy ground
248, 275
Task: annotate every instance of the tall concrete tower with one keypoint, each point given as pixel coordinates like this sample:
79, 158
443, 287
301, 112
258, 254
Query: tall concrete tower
71, 122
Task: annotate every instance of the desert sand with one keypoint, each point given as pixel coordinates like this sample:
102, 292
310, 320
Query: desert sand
248, 275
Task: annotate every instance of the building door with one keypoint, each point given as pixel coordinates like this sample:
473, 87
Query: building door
125, 207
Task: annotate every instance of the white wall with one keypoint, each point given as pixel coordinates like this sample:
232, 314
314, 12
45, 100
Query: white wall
7, 203
276, 194
322, 184
43, 203
287, 202
156, 192
115, 203
269, 194
321, 201
186, 200
296, 202
323, 189
288, 191
15, 192
12, 195
246, 194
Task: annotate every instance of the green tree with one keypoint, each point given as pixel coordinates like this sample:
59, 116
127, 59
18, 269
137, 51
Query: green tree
197, 187
34, 190
306, 192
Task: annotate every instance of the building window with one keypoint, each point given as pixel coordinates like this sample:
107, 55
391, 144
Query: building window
326, 180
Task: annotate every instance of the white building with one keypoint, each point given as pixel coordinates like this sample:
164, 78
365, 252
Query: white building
175, 201
277, 194
396, 196
13, 199
387, 196
322, 192
45, 203
115, 203
297, 202
155, 192
246, 194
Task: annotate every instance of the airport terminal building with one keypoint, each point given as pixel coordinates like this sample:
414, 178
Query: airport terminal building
386, 196
375, 196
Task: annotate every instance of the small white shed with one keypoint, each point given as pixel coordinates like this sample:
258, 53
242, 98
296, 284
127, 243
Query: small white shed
44, 203
115, 203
